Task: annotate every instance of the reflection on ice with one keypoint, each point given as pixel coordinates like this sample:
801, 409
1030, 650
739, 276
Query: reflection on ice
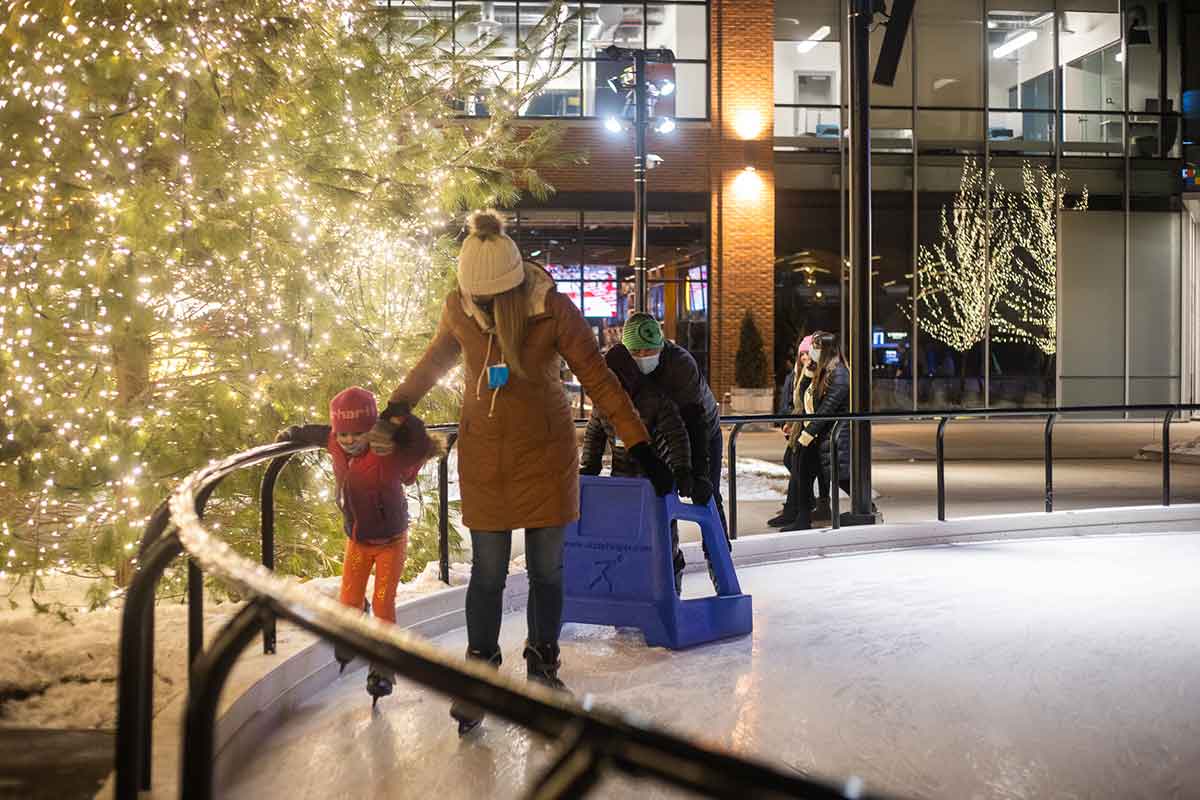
1058, 668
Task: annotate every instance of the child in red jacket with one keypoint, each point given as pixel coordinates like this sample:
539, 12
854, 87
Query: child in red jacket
371, 496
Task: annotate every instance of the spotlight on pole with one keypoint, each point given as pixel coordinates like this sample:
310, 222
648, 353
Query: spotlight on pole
612, 125
666, 87
665, 125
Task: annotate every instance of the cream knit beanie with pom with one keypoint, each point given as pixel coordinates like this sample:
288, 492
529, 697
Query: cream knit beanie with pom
489, 262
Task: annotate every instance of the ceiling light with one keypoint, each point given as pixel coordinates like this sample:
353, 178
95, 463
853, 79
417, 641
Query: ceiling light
1043, 18
1014, 44
818, 35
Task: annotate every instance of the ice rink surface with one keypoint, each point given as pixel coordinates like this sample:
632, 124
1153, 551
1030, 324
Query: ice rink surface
1065, 668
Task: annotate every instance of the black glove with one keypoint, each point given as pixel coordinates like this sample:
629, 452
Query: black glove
683, 482
288, 434
587, 469
395, 409
702, 490
655, 469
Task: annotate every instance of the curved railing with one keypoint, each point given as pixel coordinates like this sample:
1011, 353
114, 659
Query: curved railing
593, 741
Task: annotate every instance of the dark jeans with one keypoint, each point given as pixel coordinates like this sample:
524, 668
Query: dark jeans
806, 467
792, 504
716, 451
490, 554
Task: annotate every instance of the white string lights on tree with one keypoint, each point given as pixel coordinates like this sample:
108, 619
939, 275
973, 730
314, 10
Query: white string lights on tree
1012, 292
212, 216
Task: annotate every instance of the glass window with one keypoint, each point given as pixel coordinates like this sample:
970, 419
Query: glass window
487, 29
949, 66
1023, 273
1091, 274
952, 280
542, 35
559, 95
607, 24
1154, 308
1020, 52
950, 131
682, 29
891, 282
808, 53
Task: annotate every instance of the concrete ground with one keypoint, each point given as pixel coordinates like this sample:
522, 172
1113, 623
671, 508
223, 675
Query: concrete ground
995, 467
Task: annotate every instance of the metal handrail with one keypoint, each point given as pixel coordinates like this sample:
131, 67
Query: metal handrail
594, 740
943, 418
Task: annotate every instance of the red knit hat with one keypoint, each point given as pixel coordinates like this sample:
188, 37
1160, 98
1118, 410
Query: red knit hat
353, 410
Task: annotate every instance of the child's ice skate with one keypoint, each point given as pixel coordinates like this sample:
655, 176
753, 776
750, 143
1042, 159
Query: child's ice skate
378, 685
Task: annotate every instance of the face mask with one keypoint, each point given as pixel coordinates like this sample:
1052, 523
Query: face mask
815, 355
648, 364
356, 448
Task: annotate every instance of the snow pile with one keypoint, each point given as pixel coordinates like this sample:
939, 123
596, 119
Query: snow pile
58, 672
757, 480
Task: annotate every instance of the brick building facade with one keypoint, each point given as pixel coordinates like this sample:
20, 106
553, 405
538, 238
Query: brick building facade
726, 158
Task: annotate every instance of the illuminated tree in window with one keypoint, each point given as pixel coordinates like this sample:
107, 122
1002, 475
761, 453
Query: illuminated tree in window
212, 216
955, 289
1027, 310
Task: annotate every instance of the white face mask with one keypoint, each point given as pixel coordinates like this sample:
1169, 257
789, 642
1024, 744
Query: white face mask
356, 448
816, 356
648, 364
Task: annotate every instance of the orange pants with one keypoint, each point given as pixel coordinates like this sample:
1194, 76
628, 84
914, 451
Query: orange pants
388, 560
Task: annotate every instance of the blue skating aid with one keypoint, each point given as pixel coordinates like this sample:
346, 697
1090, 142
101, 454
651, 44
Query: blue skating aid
618, 569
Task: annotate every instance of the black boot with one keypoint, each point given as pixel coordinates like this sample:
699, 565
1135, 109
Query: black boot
822, 512
784, 517
542, 663
468, 716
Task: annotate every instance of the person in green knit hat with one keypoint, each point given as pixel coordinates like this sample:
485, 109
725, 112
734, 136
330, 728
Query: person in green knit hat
675, 373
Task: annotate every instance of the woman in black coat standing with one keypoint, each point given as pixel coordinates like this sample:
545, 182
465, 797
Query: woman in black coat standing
827, 393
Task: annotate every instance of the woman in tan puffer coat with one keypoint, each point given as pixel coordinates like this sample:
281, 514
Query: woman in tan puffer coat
518, 458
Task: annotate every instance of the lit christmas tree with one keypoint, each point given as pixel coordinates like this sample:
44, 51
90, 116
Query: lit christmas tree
212, 217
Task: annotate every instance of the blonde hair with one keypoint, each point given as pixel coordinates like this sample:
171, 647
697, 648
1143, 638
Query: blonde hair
510, 315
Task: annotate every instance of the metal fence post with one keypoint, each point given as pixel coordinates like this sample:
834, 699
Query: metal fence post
135, 679
732, 511
204, 690
1166, 458
444, 510
1048, 456
195, 586
941, 469
267, 528
835, 490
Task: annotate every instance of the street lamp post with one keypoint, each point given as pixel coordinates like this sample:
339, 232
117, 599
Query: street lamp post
641, 122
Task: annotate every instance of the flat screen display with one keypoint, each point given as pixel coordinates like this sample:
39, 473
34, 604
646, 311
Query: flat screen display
600, 292
697, 289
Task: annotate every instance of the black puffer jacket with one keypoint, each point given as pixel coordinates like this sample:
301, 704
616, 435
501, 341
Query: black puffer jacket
678, 377
836, 400
660, 415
